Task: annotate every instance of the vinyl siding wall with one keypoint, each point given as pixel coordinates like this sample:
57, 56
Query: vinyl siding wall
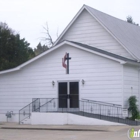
87, 30
131, 82
103, 79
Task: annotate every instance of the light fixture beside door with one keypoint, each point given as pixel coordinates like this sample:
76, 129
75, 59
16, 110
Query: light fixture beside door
53, 83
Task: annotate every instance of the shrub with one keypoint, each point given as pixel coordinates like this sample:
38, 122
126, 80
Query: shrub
133, 109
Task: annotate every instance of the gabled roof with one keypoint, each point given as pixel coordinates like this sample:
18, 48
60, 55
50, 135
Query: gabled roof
81, 46
104, 52
128, 35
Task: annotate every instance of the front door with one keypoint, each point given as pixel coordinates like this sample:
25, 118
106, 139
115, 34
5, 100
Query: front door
68, 95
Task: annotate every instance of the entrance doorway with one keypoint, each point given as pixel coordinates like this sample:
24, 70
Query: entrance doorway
68, 94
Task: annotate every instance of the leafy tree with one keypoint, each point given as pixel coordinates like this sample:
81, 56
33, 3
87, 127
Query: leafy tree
13, 50
130, 20
40, 49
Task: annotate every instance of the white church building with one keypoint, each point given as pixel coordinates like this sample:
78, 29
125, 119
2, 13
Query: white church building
103, 69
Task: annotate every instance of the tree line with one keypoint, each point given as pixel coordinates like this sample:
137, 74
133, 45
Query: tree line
15, 50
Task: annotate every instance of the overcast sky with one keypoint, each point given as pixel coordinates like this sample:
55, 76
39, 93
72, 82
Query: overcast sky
28, 17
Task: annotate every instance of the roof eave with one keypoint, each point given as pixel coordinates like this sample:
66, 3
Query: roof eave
10, 70
67, 27
97, 53
32, 60
133, 63
56, 47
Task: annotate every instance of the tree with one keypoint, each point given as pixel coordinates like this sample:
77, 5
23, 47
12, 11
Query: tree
13, 50
40, 49
48, 38
130, 20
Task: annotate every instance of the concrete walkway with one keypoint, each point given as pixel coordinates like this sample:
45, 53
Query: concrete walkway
64, 127
14, 131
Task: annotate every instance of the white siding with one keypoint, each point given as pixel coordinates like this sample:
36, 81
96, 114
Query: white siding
103, 79
87, 30
131, 83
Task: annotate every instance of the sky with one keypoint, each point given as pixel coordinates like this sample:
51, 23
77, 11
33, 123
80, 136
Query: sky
28, 17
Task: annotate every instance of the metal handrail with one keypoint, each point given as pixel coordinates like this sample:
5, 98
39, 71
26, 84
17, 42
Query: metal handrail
100, 102
26, 113
86, 107
88, 101
30, 109
28, 104
44, 103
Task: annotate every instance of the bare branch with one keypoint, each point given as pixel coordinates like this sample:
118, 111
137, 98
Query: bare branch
48, 37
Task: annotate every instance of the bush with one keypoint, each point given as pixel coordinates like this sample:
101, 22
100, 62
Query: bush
133, 109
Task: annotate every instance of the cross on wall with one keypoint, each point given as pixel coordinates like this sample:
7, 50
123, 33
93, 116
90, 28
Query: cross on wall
66, 58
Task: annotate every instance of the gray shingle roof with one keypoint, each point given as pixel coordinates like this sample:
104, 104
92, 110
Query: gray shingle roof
103, 52
127, 34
